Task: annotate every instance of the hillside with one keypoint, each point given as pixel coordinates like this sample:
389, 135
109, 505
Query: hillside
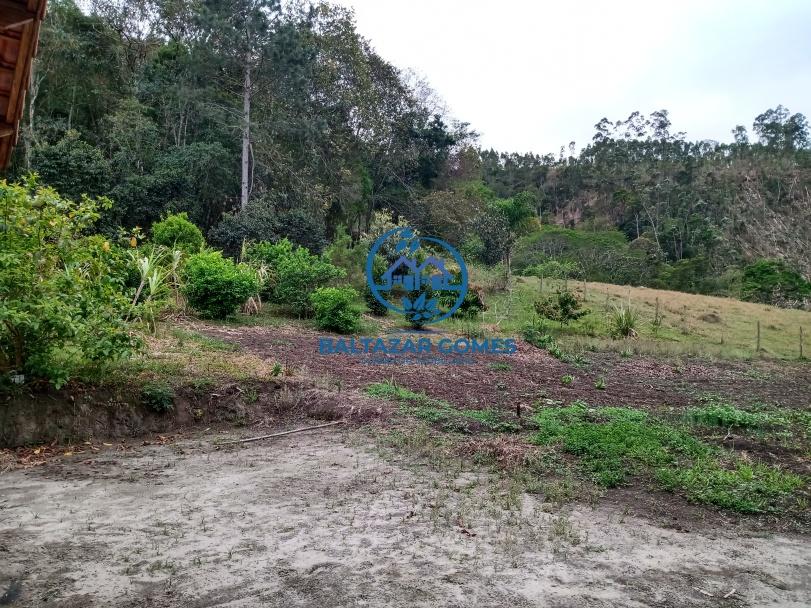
691, 324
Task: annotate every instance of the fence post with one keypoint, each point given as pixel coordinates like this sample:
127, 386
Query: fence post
585, 290
801, 342
757, 350
656, 314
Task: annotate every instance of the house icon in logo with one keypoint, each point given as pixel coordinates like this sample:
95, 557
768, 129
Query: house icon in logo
405, 273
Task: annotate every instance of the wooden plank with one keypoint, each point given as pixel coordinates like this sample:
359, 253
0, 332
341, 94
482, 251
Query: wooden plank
6, 129
14, 110
14, 14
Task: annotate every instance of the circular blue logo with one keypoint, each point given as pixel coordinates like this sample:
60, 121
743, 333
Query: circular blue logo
416, 281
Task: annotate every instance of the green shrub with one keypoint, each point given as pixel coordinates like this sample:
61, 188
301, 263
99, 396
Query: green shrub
268, 253
298, 274
376, 307
335, 309
215, 286
563, 307
600, 255
158, 395
62, 300
623, 322
267, 219
177, 232
554, 269
773, 282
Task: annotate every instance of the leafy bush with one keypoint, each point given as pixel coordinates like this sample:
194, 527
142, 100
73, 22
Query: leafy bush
335, 309
774, 282
264, 220
215, 286
177, 232
158, 395
623, 322
73, 167
298, 274
265, 256
554, 269
563, 307
350, 256
472, 305
600, 255
268, 253
61, 291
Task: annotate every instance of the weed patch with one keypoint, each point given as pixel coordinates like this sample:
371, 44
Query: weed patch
617, 443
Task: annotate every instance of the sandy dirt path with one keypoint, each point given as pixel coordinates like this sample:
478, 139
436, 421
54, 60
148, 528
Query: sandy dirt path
328, 520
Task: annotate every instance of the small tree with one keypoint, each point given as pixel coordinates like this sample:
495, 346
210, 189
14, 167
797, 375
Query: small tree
177, 232
298, 274
563, 307
61, 296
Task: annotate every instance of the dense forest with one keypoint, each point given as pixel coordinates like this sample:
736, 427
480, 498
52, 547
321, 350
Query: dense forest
264, 121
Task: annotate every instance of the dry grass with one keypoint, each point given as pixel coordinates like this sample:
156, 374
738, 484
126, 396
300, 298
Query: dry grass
690, 324
184, 354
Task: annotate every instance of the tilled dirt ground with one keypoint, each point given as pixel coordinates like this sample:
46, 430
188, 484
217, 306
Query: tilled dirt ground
533, 374
327, 519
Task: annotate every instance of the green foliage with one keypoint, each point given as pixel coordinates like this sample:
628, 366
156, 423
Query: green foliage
298, 274
563, 307
623, 321
720, 413
352, 258
335, 309
158, 395
376, 307
774, 282
554, 269
72, 167
596, 255
567, 380
215, 286
177, 232
268, 253
616, 443
61, 291
748, 488
599, 384
472, 304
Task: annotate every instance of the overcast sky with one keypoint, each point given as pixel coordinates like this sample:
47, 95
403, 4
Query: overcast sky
532, 76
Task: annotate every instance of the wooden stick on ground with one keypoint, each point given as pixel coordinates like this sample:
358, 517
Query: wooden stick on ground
304, 428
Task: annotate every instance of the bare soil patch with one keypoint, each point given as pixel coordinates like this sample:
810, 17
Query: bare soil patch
325, 519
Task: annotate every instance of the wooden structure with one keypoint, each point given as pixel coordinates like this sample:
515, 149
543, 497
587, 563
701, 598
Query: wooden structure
19, 34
